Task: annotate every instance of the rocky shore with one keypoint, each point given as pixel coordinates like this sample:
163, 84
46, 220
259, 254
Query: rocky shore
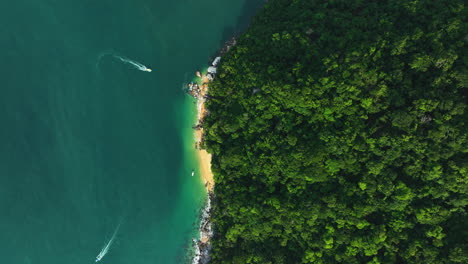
202, 246
199, 90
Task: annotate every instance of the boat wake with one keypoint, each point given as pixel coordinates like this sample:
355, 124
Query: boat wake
106, 247
123, 59
135, 64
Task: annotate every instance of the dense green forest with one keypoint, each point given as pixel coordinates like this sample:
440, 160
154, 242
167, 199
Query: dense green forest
338, 130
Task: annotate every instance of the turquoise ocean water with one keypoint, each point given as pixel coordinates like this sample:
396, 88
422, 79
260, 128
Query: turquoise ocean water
87, 141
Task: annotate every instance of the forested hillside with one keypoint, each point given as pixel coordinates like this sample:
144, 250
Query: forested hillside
338, 130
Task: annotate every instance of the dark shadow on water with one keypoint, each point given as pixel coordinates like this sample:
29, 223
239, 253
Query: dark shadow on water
248, 11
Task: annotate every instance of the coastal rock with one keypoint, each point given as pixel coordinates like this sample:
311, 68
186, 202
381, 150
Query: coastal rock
216, 61
203, 245
212, 70
228, 45
194, 90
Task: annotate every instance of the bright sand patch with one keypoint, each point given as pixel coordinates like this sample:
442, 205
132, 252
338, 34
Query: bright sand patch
203, 156
205, 165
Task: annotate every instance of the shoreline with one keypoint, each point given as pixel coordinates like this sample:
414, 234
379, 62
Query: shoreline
202, 246
199, 90
204, 158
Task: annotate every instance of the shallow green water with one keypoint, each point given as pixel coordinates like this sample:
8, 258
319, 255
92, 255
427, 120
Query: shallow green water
86, 140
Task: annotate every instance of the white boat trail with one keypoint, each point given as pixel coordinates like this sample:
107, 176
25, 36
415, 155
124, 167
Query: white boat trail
135, 64
123, 59
105, 249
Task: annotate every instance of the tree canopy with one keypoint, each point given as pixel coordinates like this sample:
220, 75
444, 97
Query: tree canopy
338, 130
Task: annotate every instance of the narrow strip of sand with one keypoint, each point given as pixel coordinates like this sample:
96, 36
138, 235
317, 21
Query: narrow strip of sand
203, 156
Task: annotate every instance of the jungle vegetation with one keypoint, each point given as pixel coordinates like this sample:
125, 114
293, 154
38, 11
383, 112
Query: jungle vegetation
338, 130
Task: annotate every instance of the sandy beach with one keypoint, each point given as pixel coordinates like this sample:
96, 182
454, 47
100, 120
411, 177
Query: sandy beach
203, 156
202, 245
